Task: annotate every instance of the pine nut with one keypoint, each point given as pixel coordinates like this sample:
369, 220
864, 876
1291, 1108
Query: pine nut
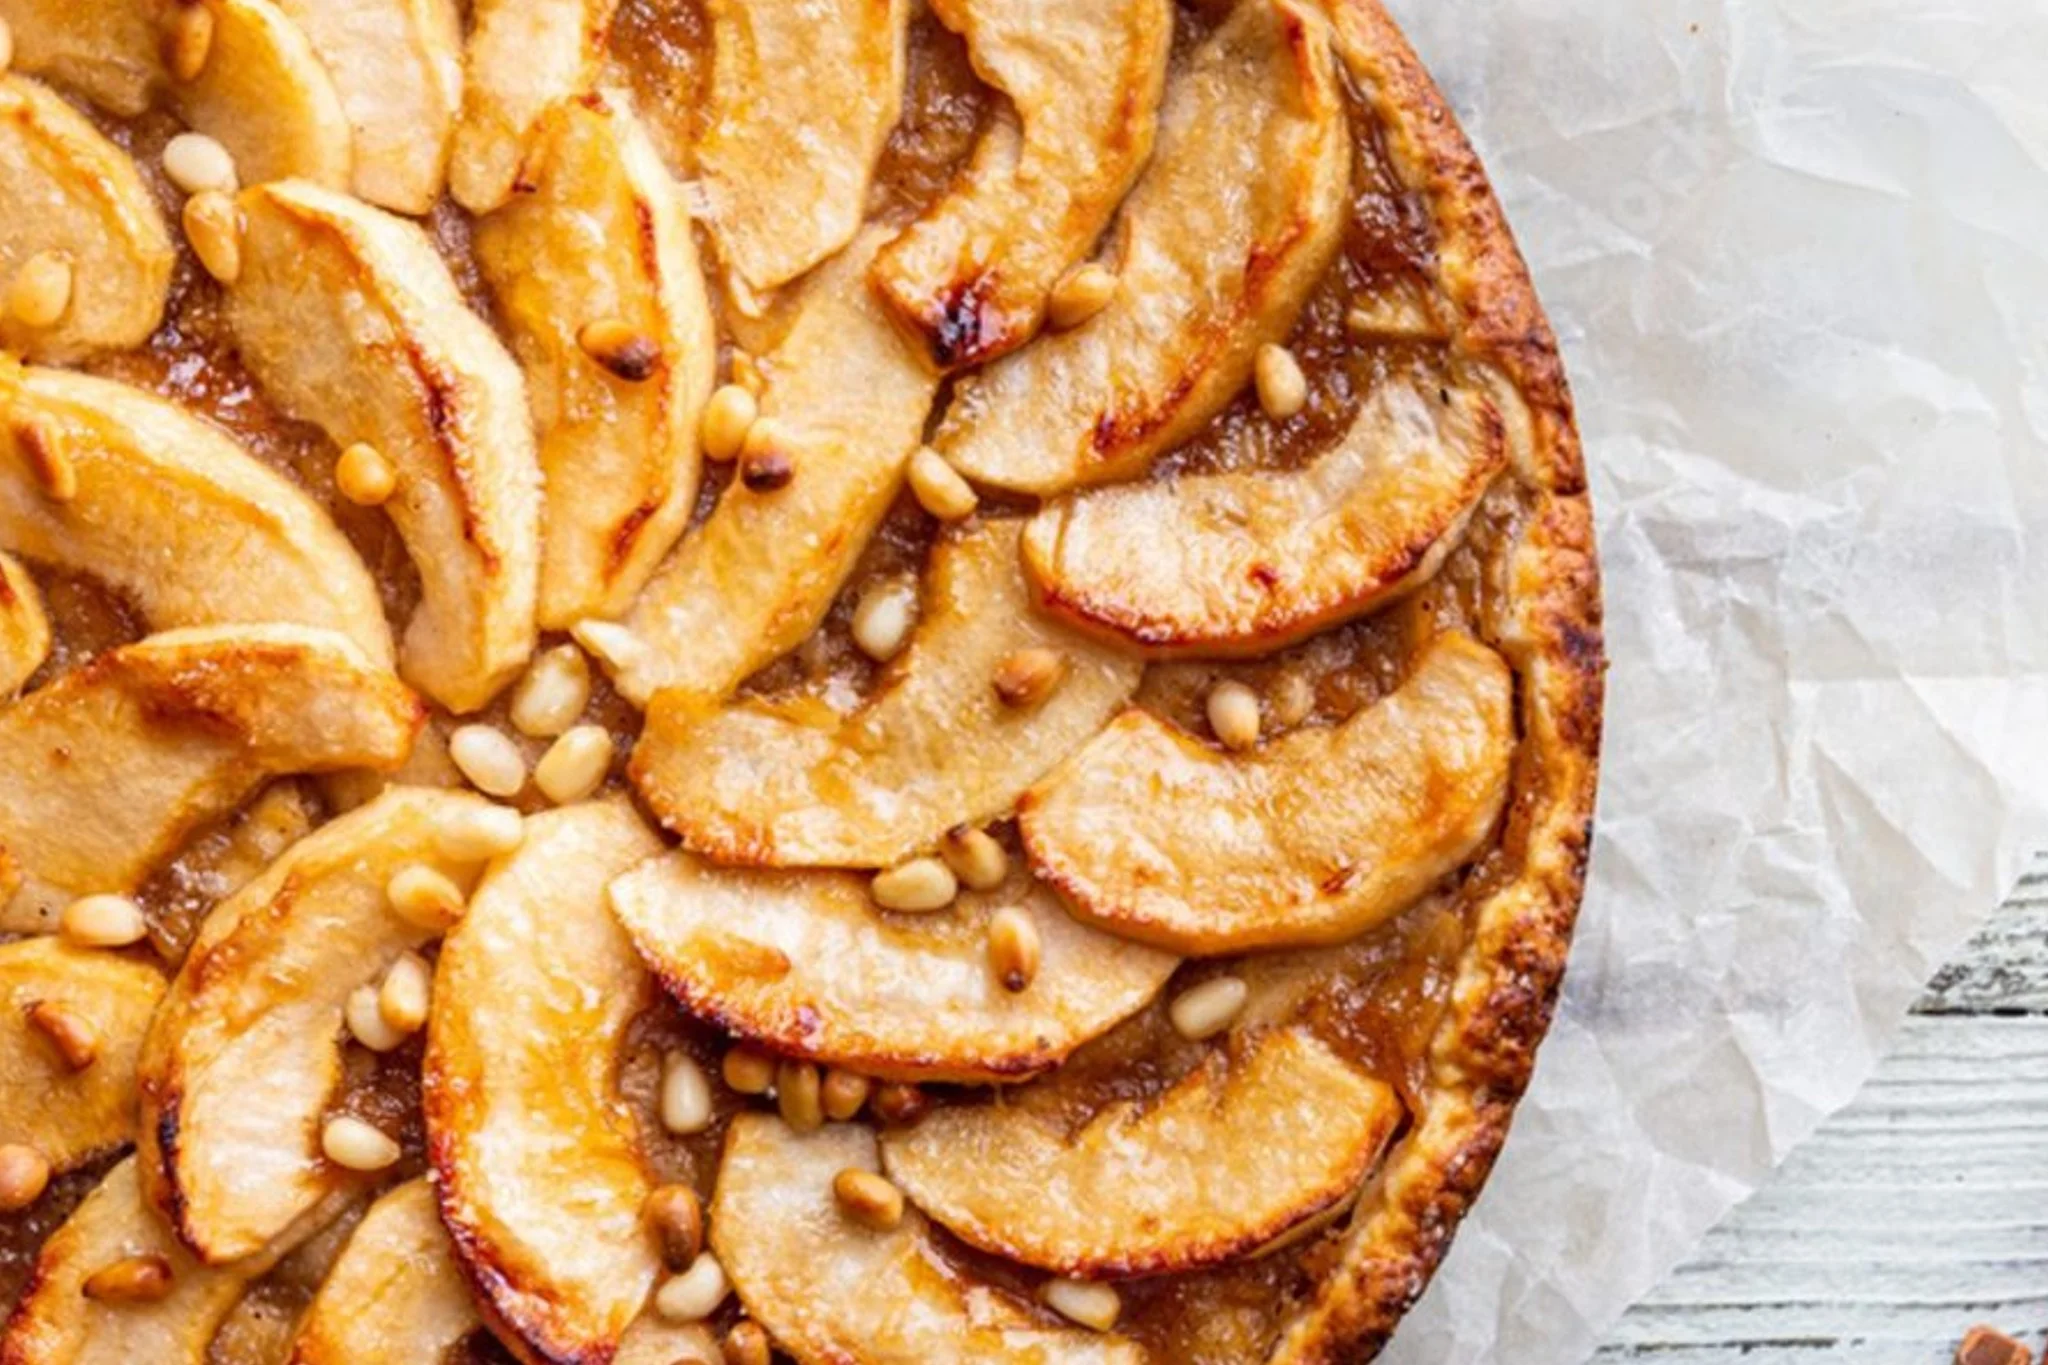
364, 476
769, 470
103, 922
728, 417
615, 344
574, 765
190, 40
685, 1095
365, 1020
1095, 1306
746, 1344
748, 1072
798, 1097
40, 294
552, 694
195, 162
1234, 714
1028, 677
1283, 388
425, 896
611, 644
975, 857
1080, 294
407, 994
1294, 698
213, 225
475, 835
677, 1218
1201, 1012
695, 1294
24, 1175
883, 618
1014, 950
132, 1279
868, 1199
490, 760
843, 1094
70, 1035
900, 1104
355, 1145
919, 885
938, 487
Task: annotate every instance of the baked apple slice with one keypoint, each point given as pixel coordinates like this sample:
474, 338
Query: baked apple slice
1217, 248
24, 628
833, 1293
786, 163
1084, 79
92, 209
523, 56
597, 281
793, 783
397, 68
651, 1341
246, 1050
103, 479
850, 397
396, 1296
1135, 1189
535, 1153
109, 51
184, 725
803, 962
1312, 839
71, 1023
351, 321
1250, 562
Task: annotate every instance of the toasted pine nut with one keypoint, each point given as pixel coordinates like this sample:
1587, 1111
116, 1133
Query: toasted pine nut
364, 476
748, 1072
365, 1020
938, 487
40, 294
425, 896
552, 694
1028, 677
1203, 1011
407, 994
355, 1145
868, 1199
629, 354
1080, 294
132, 1279
685, 1095
695, 1294
73, 1038
883, 618
918, 885
475, 835
213, 225
195, 162
189, 41
490, 760
24, 1175
1234, 714
975, 857
767, 471
677, 1218
727, 418
574, 765
1283, 388
1014, 949
798, 1097
843, 1093
1092, 1305
899, 1104
746, 1344
103, 922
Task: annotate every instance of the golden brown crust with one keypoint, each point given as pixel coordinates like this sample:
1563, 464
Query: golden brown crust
1506, 987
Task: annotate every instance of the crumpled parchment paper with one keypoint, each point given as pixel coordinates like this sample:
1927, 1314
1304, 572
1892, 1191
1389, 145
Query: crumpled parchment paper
1797, 253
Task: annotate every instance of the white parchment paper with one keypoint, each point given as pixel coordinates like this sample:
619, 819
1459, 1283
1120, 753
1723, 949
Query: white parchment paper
1797, 252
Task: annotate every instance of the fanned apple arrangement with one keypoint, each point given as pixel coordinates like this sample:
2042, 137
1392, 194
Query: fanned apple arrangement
863, 681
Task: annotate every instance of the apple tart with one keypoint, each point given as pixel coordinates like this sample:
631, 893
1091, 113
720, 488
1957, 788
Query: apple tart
720, 681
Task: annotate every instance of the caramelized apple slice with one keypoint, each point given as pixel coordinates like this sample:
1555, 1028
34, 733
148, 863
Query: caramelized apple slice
397, 67
523, 56
57, 1324
1251, 562
1135, 1190
351, 321
103, 479
598, 241
70, 1112
830, 1291
92, 209
246, 1050
804, 962
184, 725
786, 163
1218, 246
1312, 839
534, 1151
795, 784
109, 51
1084, 79
24, 628
396, 1296
747, 586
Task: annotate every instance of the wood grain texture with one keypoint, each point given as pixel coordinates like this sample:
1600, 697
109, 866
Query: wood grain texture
1916, 1212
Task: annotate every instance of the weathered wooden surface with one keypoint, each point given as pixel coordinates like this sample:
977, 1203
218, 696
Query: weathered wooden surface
1921, 1209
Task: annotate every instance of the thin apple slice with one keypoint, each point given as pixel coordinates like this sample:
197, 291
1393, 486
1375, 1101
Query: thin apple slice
850, 398
56, 1324
523, 56
793, 783
599, 234
246, 1050
1135, 1190
109, 51
1084, 79
1251, 562
650, 1341
803, 962
535, 1153
833, 1293
396, 1296
170, 512
24, 629
69, 1114
89, 207
184, 725
1312, 839
786, 163
350, 320
397, 67
1217, 248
